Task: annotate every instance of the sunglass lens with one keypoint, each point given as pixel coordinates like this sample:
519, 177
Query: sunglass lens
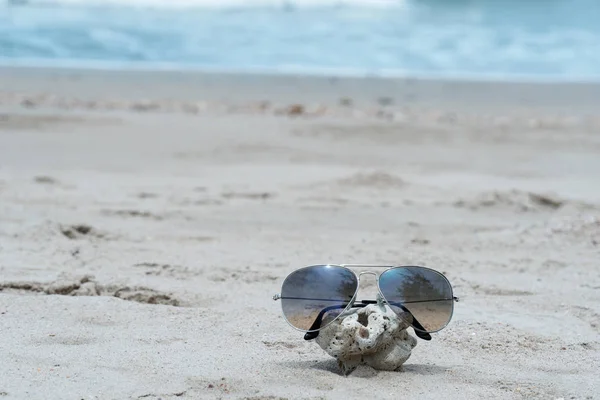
424, 293
319, 292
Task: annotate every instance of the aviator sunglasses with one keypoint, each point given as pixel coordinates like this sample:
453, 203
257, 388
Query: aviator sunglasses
313, 297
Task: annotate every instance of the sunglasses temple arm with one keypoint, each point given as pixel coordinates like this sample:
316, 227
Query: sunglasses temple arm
319, 320
420, 331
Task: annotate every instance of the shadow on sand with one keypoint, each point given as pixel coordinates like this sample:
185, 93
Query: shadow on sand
331, 365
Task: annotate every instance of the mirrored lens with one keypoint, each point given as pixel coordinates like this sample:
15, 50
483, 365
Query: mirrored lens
317, 293
424, 293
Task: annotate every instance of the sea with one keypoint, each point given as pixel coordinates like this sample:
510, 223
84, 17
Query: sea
557, 40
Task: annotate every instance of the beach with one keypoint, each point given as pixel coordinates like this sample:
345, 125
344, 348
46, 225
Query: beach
147, 218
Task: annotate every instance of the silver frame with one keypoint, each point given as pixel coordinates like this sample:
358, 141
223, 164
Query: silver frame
380, 297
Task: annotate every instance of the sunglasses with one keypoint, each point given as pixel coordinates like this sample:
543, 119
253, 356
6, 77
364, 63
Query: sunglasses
314, 297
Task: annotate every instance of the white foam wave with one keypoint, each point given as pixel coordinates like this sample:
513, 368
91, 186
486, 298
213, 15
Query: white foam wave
211, 3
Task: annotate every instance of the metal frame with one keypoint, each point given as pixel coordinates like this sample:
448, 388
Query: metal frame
381, 300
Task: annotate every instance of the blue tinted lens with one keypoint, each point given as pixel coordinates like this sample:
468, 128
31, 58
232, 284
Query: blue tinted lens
318, 291
424, 293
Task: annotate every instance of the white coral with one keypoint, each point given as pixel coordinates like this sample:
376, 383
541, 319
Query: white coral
373, 335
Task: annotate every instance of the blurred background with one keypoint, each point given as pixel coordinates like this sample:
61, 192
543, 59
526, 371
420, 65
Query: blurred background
550, 39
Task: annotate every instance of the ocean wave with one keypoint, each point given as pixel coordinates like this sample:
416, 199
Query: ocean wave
434, 37
209, 3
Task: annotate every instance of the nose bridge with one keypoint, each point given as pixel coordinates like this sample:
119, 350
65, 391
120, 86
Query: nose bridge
368, 287
367, 273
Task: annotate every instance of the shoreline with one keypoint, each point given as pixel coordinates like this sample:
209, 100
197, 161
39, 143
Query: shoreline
299, 72
147, 90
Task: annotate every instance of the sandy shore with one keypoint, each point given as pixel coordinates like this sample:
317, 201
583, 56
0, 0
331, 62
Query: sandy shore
147, 219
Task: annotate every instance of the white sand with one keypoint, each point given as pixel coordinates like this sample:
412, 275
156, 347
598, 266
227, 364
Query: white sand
206, 200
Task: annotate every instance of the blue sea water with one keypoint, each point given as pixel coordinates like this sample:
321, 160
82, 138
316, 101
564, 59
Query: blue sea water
540, 39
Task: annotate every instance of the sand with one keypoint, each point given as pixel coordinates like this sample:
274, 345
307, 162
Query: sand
146, 220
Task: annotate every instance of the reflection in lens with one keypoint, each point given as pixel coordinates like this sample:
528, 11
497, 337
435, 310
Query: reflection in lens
423, 292
320, 290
